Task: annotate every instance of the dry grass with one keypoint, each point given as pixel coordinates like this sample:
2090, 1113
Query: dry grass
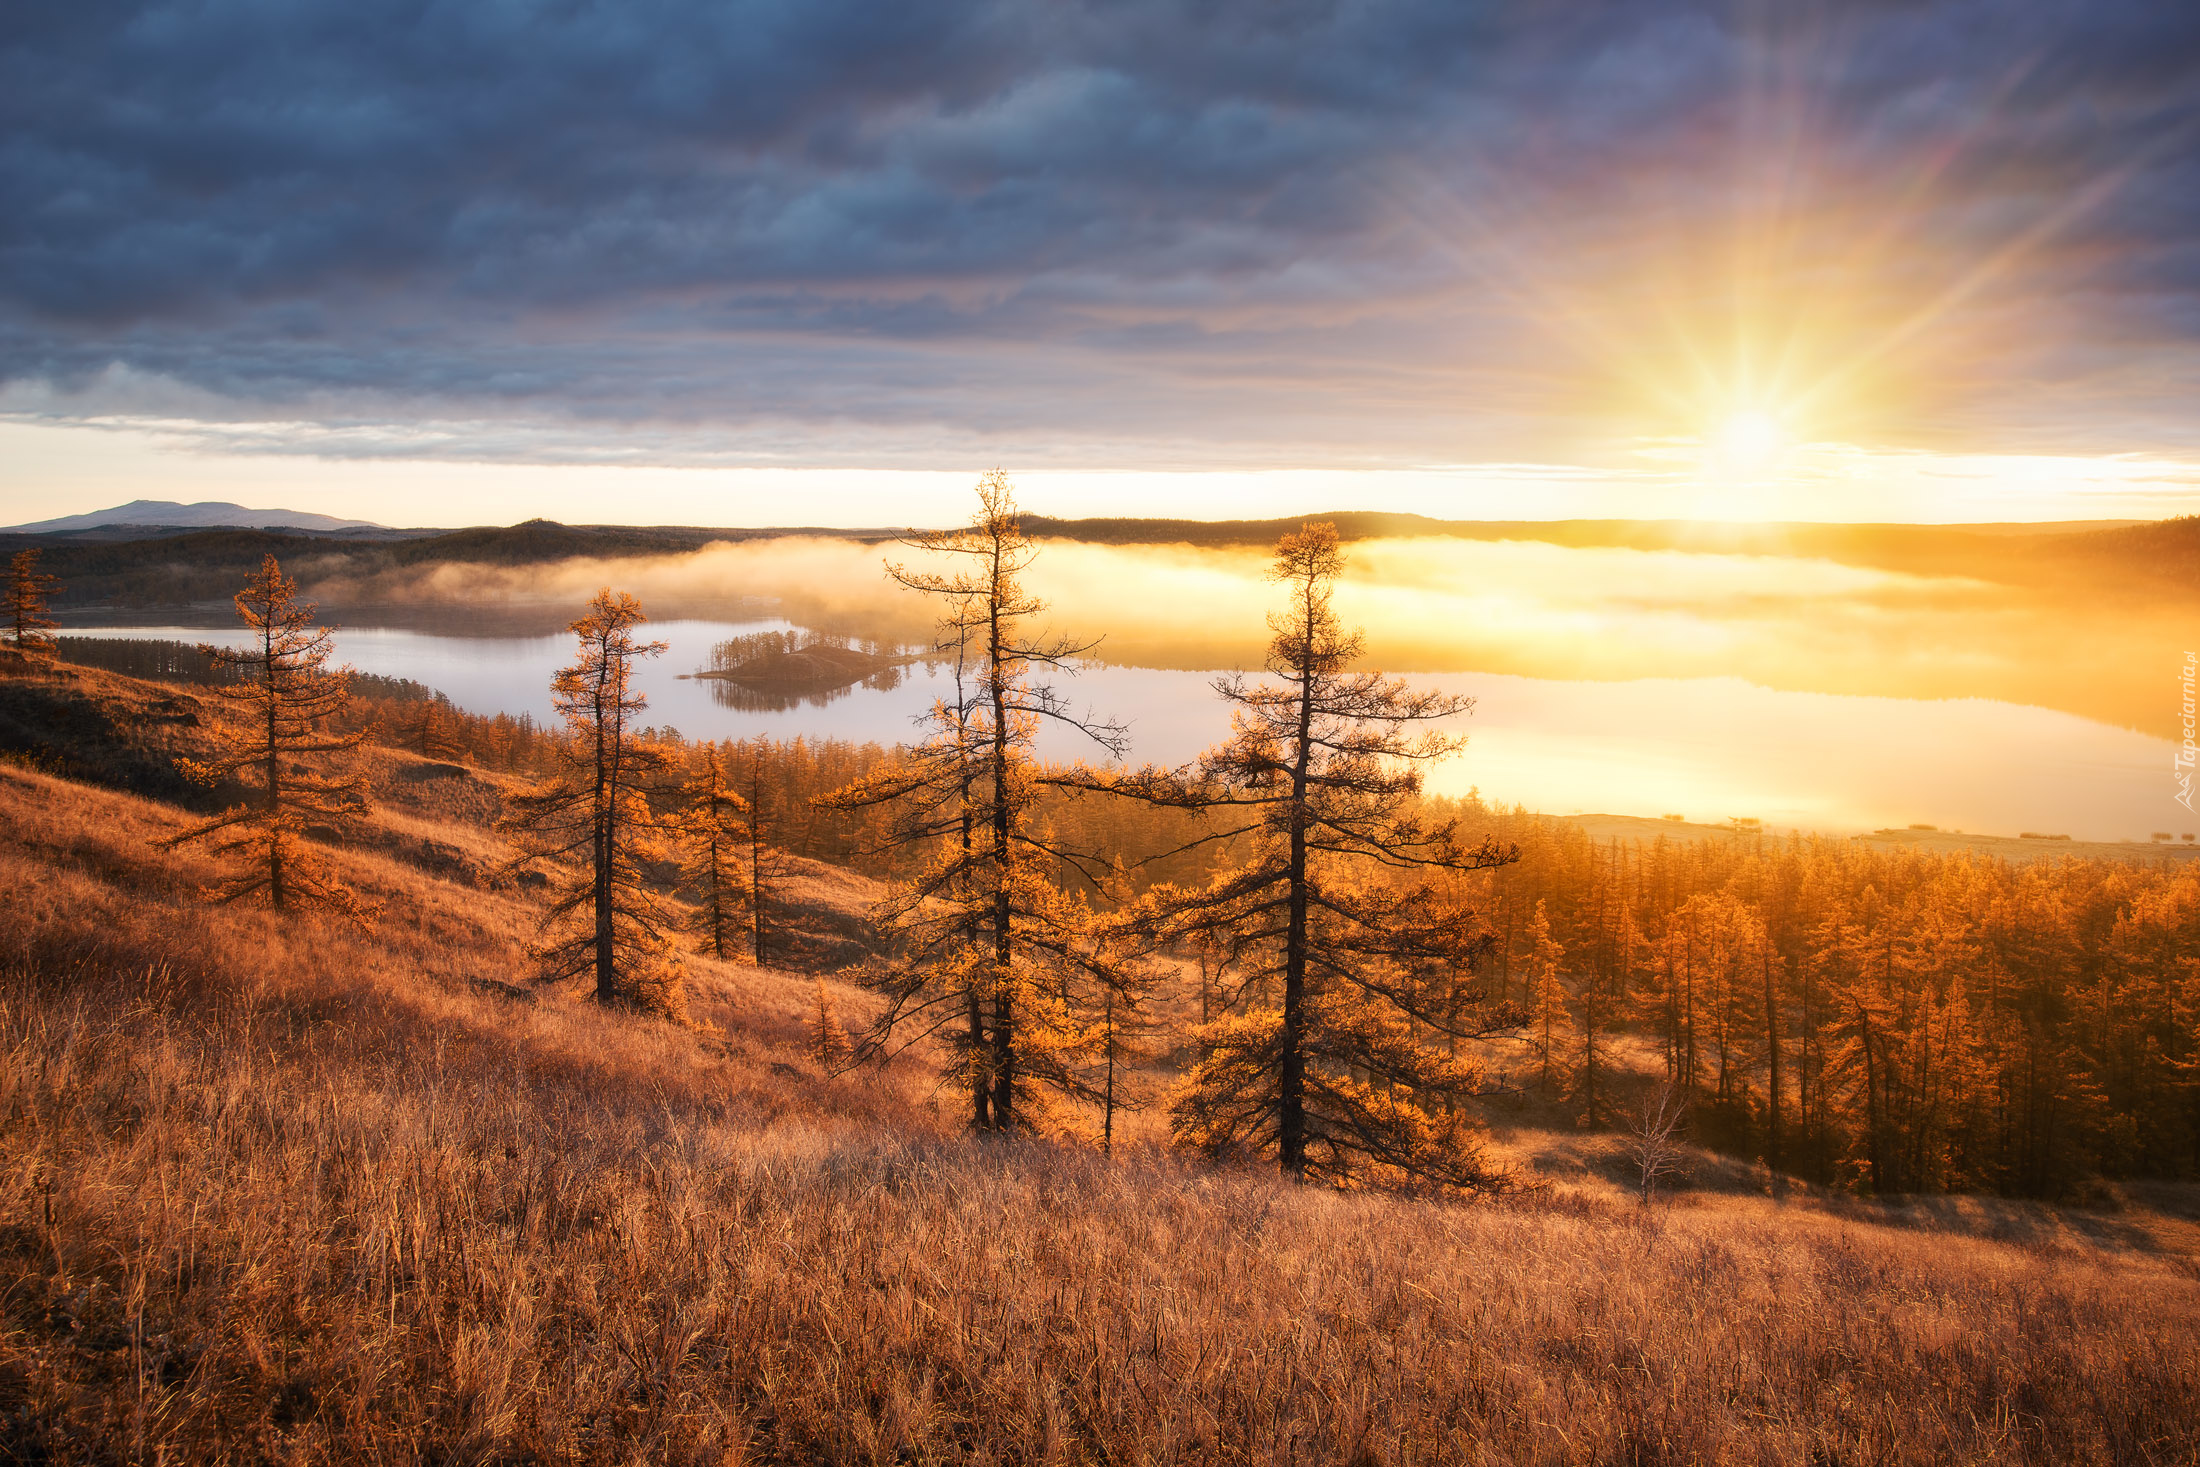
271, 1191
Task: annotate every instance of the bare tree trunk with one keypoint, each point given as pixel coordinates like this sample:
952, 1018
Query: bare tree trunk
1871, 1105
756, 856
981, 1083
275, 893
1291, 1080
607, 976
1772, 1051
1107, 1113
1004, 1016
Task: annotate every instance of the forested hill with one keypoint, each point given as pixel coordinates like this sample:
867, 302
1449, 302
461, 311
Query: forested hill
158, 570
2163, 554
179, 569
1716, 536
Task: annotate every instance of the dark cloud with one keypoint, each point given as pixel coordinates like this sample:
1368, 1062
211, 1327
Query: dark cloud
1341, 229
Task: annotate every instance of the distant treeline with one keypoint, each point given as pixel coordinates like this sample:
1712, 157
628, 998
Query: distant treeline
1899, 1021
205, 566
2162, 555
182, 662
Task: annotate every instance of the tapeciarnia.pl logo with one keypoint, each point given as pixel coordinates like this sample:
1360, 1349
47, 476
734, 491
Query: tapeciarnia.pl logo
2185, 750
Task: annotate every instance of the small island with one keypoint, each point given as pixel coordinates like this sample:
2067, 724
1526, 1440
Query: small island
781, 669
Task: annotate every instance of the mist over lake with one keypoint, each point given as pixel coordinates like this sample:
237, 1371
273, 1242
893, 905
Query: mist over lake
1797, 691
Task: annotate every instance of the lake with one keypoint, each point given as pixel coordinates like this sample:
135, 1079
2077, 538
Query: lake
1800, 691
1707, 747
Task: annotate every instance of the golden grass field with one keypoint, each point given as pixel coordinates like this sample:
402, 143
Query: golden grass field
271, 1190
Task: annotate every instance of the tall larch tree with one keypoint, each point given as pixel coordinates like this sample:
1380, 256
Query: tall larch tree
983, 944
827, 1040
1605, 967
762, 864
1674, 1004
1549, 1019
30, 625
1732, 989
430, 728
284, 697
714, 830
1346, 943
1115, 1004
933, 983
1769, 968
590, 823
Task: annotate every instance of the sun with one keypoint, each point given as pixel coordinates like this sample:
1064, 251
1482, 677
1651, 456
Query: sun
1749, 443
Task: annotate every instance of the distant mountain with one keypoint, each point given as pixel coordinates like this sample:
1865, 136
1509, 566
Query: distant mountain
205, 515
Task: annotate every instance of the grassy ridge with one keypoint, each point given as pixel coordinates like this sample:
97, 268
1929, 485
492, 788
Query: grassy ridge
271, 1189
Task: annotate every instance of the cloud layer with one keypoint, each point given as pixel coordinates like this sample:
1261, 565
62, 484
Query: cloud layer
1138, 232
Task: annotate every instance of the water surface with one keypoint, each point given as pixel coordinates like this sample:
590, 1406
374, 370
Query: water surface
1709, 748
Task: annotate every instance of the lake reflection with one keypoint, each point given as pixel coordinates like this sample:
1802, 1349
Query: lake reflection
1706, 747
1537, 610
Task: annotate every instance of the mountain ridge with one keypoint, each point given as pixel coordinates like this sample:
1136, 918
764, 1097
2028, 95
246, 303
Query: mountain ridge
204, 514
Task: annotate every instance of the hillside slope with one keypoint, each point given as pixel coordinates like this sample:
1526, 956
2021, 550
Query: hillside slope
273, 1189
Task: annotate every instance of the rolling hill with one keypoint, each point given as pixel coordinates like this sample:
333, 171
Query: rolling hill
277, 1188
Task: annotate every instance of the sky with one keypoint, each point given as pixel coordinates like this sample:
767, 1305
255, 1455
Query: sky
820, 262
